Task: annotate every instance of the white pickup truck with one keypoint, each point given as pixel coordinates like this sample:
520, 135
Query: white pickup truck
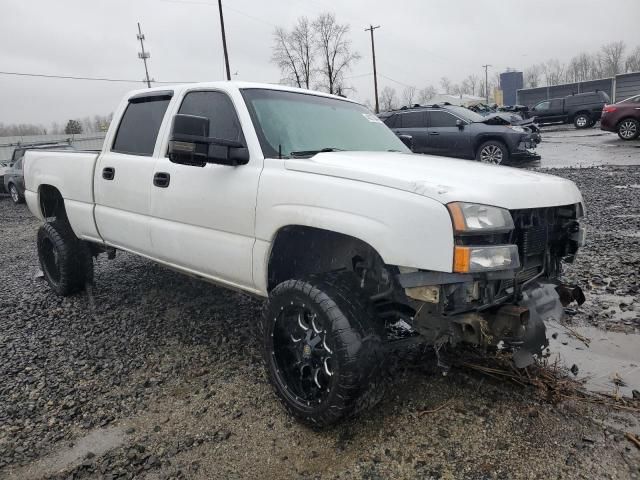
310, 200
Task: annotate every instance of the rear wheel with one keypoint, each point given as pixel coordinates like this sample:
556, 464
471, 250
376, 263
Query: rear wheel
65, 260
582, 120
323, 348
628, 129
492, 152
15, 194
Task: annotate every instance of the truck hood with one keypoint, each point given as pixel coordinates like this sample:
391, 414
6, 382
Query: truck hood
444, 179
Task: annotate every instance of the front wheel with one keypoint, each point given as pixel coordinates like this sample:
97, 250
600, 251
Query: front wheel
492, 152
323, 348
629, 129
65, 260
582, 120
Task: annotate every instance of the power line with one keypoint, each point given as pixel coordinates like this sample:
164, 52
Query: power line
396, 81
97, 79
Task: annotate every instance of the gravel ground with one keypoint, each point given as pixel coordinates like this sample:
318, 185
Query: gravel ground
158, 376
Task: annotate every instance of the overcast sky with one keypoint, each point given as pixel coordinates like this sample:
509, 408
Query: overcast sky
419, 41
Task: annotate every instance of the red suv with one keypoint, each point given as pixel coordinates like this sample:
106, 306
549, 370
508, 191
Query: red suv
623, 118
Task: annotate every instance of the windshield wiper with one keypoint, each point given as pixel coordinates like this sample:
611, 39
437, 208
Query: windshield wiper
311, 153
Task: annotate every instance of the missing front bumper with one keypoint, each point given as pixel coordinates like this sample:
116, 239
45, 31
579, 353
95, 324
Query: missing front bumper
517, 327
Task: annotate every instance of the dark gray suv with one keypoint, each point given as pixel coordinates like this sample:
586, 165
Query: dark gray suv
454, 131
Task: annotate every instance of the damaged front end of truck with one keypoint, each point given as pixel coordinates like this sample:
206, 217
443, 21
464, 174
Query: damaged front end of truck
505, 280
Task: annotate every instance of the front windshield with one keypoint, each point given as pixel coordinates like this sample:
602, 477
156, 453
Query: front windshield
290, 122
466, 113
635, 99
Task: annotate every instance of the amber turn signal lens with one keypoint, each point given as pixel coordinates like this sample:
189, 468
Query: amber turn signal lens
459, 225
461, 259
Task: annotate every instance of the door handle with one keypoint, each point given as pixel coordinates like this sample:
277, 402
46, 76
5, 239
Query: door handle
161, 179
108, 173
434, 133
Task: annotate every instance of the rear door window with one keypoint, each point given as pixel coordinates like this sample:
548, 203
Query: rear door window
439, 118
140, 124
413, 120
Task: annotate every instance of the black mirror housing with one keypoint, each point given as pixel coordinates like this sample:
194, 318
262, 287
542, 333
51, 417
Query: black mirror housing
407, 140
190, 144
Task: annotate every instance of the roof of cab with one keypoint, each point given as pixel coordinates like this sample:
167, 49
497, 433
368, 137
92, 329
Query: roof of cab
229, 85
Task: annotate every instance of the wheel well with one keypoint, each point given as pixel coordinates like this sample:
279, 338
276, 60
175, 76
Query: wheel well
299, 251
51, 202
489, 138
626, 118
580, 112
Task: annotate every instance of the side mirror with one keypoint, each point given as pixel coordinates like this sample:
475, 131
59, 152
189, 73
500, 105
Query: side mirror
460, 124
407, 140
190, 144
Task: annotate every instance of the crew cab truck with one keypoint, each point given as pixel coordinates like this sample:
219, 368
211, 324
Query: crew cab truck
309, 200
581, 109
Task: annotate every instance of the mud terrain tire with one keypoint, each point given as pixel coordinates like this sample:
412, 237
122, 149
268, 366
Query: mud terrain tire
65, 260
333, 308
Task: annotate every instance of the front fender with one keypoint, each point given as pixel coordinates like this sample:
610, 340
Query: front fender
406, 229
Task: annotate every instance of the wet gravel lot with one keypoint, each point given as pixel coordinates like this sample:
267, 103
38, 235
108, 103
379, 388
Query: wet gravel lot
158, 376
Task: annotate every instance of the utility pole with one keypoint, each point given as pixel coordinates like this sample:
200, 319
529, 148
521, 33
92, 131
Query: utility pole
373, 53
144, 55
224, 41
486, 81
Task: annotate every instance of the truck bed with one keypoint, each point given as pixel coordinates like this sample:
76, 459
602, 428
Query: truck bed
71, 173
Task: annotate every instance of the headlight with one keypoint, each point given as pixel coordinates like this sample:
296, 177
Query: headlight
516, 128
472, 218
483, 259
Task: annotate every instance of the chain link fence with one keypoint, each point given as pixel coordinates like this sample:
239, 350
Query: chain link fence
618, 88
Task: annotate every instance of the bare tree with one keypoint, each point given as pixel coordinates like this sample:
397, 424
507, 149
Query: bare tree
472, 81
21, 129
387, 99
532, 76
633, 61
553, 72
426, 94
612, 55
445, 83
408, 95
293, 52
335, 51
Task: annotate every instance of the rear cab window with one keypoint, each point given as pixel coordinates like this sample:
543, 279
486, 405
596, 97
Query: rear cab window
140, 124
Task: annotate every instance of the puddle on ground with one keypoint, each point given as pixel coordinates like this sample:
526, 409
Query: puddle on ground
608, 354
97, 442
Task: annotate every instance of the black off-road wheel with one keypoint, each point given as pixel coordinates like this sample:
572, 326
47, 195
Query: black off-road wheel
582, 120
323, 348
65, 260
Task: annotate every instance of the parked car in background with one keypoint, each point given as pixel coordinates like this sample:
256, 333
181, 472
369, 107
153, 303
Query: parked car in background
4, 167
13, 180
581, 109
623, 118
454, 131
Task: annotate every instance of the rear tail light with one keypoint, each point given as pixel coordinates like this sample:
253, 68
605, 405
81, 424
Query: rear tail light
609, 109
